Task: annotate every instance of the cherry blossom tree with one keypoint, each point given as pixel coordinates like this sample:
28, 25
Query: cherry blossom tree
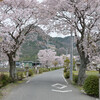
59, 60
81, 17
17, 19
46, 57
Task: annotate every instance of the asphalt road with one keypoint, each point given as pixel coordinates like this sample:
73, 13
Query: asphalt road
47, 86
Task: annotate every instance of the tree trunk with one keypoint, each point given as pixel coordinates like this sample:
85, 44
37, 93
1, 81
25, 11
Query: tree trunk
84, 60
82, 74
12, 69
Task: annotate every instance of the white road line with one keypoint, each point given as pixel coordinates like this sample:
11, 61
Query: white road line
64, 79
59, 86
28, 81
61, 91
62, 87
55, 84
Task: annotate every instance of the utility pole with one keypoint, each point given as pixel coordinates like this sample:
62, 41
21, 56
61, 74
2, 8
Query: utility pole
66, 51
1, 40
47, 43
71, 57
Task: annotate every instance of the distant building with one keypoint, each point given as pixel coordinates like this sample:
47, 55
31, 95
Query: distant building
24, 64
4, 64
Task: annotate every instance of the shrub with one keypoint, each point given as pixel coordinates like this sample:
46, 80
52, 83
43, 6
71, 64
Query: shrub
91, 85
45, 69
20, 75
31, 72
75, 78
65, 69
4, 80
49, 69
67, 74
40, 70
55, 68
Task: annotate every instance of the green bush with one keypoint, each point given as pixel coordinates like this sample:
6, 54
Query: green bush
67, 74
40, 70
31, 72
91, 85
4, 80
49, 69
55, 68
75, 78
20, 75
45, 69
65, 69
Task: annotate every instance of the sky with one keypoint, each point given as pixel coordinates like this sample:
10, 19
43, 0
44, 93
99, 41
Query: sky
54, 34
40, 0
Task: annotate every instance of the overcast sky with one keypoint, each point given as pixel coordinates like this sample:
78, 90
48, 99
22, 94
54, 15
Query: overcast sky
40, 0
54, 34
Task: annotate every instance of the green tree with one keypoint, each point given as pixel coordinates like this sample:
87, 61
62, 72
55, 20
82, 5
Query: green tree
66, 63
74, 62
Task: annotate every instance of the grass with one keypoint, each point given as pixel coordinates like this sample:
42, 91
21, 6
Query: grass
92, 72
88, 72
6, 89
6, 73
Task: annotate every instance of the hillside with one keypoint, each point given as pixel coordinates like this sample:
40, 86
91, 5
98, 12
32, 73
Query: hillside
42, 41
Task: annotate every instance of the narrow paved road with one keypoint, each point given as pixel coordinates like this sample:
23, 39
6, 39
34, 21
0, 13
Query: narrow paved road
47, 86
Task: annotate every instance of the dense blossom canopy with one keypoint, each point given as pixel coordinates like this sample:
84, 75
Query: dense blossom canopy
82, 17
47, 57
17, 18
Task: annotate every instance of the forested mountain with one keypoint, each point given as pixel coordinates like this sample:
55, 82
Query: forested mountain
42, 41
